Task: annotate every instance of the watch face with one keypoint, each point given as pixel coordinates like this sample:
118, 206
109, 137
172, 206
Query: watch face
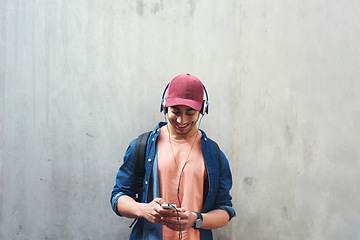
198, 223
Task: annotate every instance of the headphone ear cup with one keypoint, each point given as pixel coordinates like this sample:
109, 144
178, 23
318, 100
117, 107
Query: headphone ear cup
163, 106
204, 107
163, 101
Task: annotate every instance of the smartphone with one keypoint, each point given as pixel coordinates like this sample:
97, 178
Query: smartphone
169, 206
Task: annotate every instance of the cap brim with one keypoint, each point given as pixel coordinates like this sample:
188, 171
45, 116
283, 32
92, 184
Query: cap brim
170, 102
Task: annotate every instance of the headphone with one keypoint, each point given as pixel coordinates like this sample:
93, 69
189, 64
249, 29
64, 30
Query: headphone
204, 108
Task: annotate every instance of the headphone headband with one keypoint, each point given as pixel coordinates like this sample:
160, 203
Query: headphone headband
204, 108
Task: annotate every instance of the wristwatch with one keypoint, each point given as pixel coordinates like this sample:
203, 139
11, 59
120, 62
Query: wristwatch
198, 221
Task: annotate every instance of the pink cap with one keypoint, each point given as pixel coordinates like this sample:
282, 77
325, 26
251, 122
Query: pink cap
185, 90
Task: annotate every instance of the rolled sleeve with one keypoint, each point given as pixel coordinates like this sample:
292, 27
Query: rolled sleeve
114, 201
125, 179
229, 210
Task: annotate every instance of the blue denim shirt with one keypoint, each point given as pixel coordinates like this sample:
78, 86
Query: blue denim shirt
216, 187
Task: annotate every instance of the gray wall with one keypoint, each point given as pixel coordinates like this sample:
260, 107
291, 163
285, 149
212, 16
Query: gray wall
80, 79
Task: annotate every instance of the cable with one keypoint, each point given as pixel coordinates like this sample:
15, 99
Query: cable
178, 219
187, 158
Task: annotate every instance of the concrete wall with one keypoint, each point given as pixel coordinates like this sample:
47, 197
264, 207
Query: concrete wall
80, 79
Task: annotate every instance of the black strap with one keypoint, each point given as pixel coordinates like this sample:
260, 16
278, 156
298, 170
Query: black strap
217, 149
139, 165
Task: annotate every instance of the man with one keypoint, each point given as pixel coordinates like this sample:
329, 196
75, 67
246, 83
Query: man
182, 168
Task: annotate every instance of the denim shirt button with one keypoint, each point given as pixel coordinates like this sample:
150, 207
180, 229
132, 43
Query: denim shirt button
149, 160
146, 182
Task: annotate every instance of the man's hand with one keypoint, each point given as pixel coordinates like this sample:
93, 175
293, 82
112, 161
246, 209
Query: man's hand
153, 212
183, 218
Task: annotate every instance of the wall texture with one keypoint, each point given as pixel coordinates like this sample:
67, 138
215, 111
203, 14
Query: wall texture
80, 79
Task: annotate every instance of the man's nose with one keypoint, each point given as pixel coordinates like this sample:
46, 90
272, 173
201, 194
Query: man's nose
181, 119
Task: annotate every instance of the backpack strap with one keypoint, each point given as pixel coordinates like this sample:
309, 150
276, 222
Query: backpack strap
206, 184
139, 163
216, 146
139, 166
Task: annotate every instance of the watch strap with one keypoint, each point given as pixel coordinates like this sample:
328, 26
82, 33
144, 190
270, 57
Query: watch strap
198, 219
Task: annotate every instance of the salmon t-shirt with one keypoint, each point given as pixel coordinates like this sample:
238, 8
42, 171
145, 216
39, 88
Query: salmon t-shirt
189, 163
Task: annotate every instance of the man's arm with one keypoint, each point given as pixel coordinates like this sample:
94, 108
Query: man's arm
152, 211
128, 207
214, 219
